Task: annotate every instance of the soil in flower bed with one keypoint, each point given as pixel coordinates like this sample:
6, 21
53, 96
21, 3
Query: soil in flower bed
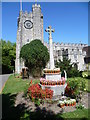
52, 106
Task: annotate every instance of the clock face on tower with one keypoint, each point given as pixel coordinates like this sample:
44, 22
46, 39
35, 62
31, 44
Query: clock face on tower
28, 24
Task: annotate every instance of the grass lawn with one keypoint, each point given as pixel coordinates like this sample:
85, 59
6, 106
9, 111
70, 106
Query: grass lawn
76, 115
16, 85
83, 113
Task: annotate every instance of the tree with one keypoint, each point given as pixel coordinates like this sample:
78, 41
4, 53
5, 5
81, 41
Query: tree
66, 65
36, 56
8, 56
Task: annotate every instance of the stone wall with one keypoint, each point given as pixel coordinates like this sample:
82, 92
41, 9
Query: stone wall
73, 51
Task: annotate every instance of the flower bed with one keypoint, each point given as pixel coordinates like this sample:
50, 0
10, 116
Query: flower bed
46, 71
35, 91
68, 91
71, 102
52, 82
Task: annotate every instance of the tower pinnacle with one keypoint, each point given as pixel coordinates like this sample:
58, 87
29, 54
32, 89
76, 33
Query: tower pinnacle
20, 5
36, 1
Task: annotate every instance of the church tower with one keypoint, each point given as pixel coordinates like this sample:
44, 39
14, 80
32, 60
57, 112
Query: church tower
30, 27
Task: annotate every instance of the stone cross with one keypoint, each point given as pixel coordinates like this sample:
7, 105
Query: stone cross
50, 30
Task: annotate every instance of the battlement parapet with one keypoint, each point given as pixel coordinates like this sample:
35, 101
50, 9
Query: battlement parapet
70, 44
36, 6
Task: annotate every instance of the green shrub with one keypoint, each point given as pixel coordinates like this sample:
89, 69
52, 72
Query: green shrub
74, 86
74, 73
82, 85
37, 102
36, 57
70, 70
72, 89
86, 74
80, 106
8, 56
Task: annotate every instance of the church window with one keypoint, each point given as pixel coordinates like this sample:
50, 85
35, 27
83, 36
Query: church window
41, 17
77, 49
62, 50
59, 53
65, 53
55, 61
76, 66
72, 49
75, 56
27, 40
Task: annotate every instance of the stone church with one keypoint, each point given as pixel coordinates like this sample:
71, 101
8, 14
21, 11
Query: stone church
30, 27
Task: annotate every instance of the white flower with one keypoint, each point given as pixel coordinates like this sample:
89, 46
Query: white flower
61, 102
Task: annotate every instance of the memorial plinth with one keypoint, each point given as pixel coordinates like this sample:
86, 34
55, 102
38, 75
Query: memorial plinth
57, 89
54, 74
53, 81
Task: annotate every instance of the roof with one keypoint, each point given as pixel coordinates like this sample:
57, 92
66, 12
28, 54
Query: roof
87, 49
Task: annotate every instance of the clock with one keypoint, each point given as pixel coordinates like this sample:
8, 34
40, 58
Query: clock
28, 24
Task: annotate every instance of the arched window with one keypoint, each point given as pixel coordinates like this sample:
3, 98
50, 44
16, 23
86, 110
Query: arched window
72, 49
65, 53
75, 66
27, 40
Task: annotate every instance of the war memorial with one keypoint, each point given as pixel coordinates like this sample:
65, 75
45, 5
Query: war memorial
52, 74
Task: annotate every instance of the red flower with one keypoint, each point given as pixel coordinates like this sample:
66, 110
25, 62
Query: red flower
36, 92
31, 81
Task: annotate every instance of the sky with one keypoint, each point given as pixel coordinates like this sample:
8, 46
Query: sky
69, 19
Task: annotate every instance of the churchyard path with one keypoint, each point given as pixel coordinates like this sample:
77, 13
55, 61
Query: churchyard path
3, 79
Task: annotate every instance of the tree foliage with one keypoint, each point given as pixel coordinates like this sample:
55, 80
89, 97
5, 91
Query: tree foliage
35, 55
8, 56
66, 65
